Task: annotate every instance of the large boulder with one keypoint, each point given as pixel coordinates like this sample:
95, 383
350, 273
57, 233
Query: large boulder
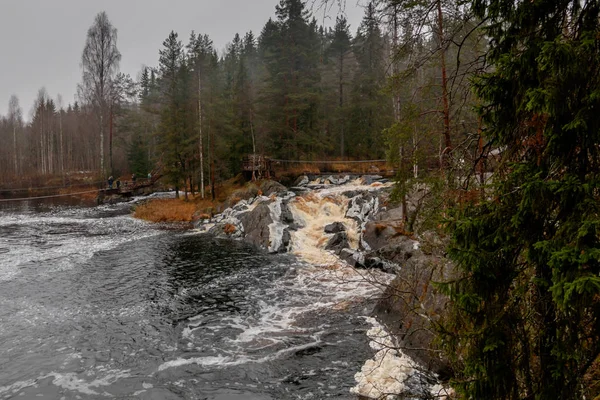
390, 214
256, 225
269, 187
381, 234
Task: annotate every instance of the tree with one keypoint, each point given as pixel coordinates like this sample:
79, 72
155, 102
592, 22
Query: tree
370, 108
526, 320
15, 119
340, 50
290, 47
100, 63
202, 58
172, 136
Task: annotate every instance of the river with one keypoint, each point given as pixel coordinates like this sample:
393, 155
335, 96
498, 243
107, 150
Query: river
95, 304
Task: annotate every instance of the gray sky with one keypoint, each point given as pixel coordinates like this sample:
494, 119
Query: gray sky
42, 40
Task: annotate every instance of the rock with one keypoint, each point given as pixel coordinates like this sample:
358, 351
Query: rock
366, 180
351, 193
344, 180
269, 187
246, 193
372, 261
391, 214
349, 256
330, 180
286, 238
362, 206
227, 228
256, 225
302, 181
410, 306
384, 234
286, 215
338, 242
334, 227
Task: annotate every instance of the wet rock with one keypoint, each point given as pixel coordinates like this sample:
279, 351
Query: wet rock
338, 242
362, 206
351, 193
302, 181
334, 227
349, 256
256, 225
374, 262
227, 228
330, 180
344, 180
286, 215
286, 239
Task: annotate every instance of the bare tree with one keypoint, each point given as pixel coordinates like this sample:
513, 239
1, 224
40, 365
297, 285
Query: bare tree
100, 63
15, 119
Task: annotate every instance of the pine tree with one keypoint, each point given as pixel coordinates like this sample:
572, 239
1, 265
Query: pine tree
526, 320
340, 53
172, 122
290, 51
370, 107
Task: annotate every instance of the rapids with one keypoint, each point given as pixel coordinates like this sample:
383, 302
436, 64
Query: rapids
95, 304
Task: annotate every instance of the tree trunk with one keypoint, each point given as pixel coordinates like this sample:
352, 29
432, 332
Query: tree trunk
102, 145
16, 158
446, 111
201, 149
110, 140
341, 103
62, 150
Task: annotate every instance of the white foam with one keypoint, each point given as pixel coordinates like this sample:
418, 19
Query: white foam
57, 252
386, 374
226, 361
72, 382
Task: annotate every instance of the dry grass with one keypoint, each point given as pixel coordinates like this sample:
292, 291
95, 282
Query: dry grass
179, 210
166, 210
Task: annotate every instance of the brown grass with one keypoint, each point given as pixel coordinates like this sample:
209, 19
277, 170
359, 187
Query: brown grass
179, 210
166, 210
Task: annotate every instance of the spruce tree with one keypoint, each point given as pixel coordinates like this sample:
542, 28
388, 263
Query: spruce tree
526, 320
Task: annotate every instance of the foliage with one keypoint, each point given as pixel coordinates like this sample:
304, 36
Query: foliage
526, 320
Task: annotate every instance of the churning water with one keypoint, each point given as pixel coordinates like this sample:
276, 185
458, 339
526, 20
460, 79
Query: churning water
94, 304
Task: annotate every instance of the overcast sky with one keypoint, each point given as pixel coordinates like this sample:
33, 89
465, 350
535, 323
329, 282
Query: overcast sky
41, 40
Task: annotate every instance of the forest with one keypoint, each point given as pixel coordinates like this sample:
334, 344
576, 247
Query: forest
397, 88
495, 102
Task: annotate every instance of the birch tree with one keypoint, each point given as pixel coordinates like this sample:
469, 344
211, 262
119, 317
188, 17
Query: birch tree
15, 119
100, 63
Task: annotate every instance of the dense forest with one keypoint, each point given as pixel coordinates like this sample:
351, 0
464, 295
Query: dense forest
397, 87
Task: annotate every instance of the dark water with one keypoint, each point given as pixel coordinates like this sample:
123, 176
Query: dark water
95, 304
